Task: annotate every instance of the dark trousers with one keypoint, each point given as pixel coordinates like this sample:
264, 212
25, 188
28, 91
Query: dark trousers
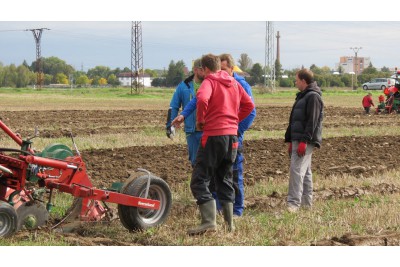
214, 160
367, 110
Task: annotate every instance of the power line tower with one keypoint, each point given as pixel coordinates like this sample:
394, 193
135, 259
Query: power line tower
269, 66
37, 34
137, 71
356, 66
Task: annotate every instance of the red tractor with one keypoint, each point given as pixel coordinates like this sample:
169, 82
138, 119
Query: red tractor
29, 180
392, 102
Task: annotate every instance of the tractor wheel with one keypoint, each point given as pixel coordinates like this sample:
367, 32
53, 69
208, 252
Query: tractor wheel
135, 218
8, 219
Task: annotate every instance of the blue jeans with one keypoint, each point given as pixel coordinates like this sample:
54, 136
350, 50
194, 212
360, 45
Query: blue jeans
193, 142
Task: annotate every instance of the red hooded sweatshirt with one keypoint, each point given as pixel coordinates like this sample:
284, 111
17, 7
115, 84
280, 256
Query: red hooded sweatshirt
221, 104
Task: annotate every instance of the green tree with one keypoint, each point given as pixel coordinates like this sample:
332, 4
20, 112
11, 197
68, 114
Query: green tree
152, 73
370, 69
175, 73
24, 76
257, 73
113, 80
245, 62
278, 69
385, 69
82, 80
54, 65
61, 78
100, 71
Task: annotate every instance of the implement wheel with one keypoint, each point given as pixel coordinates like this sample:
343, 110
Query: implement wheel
135, 218
8, 219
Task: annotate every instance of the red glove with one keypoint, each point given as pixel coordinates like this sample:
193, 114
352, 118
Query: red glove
301, 149
290, 150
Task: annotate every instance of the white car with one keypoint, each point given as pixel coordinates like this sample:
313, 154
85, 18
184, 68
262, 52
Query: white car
379, 83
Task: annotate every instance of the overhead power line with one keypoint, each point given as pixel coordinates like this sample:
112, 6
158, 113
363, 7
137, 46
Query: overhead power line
37, 34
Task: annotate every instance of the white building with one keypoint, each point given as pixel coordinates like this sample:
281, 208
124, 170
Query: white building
349, 64
125, 79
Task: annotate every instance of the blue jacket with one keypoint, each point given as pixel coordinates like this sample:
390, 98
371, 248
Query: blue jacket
182, 96
244, 124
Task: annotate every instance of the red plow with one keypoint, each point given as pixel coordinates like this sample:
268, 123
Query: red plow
29, 179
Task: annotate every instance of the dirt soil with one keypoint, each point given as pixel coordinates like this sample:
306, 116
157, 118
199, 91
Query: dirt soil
266, 159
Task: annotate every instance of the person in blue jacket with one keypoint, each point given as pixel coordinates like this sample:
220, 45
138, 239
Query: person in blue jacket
186, 91
227, 64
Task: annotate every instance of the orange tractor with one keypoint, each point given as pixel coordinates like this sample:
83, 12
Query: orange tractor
29, 180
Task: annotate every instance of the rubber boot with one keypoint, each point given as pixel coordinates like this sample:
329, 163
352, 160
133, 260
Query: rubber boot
208, 219
227, 211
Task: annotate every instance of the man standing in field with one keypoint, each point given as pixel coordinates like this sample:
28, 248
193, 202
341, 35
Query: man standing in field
228, 64
185, 91
221, 104
303, 134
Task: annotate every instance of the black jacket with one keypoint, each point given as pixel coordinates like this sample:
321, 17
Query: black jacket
305, 123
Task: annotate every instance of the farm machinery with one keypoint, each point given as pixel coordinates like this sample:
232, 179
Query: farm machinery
29, 180
392, 102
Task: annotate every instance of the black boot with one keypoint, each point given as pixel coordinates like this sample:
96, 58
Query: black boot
227, 210
208, 212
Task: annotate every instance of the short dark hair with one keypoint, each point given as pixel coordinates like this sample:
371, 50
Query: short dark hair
306, 74
212, 62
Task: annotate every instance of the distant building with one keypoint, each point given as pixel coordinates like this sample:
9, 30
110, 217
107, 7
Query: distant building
349, 64
125, 79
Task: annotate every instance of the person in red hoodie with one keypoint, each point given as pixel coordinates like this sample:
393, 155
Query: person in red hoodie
221, 104
367, 103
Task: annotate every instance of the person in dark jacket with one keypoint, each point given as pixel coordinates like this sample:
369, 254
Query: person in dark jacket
303, 134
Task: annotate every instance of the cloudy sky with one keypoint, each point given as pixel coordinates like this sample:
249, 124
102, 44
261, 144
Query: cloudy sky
88, 41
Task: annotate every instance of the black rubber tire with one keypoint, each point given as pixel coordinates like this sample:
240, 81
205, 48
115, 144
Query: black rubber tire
365, 87
383, 87
135, 218
8, 219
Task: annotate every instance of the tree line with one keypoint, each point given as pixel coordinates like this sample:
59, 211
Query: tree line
57, 71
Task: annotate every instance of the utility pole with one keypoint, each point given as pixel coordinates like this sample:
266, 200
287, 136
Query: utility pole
269, 66
355, 65
137, 58
37, 34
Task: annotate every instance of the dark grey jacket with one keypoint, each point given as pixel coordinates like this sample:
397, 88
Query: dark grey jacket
305, 123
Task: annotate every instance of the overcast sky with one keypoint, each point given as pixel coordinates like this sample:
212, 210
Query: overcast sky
86, 42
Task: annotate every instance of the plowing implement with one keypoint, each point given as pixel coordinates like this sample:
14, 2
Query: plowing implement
29, 180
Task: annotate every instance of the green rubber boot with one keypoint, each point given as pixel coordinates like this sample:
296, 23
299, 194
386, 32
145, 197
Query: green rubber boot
227, 211
208, 213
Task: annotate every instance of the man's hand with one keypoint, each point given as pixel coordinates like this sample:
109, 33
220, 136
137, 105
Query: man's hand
301, 149
290, 150
178, 121
199, 126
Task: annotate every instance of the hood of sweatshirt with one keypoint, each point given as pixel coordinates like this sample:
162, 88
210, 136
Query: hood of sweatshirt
222, 77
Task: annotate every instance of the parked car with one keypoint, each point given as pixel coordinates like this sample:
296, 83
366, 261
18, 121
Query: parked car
379, 83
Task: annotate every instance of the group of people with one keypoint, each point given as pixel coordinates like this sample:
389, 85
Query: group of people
217, 109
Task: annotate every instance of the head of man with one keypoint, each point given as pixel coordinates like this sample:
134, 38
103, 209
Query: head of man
198, 70
304, 77
210, 63
227, 63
